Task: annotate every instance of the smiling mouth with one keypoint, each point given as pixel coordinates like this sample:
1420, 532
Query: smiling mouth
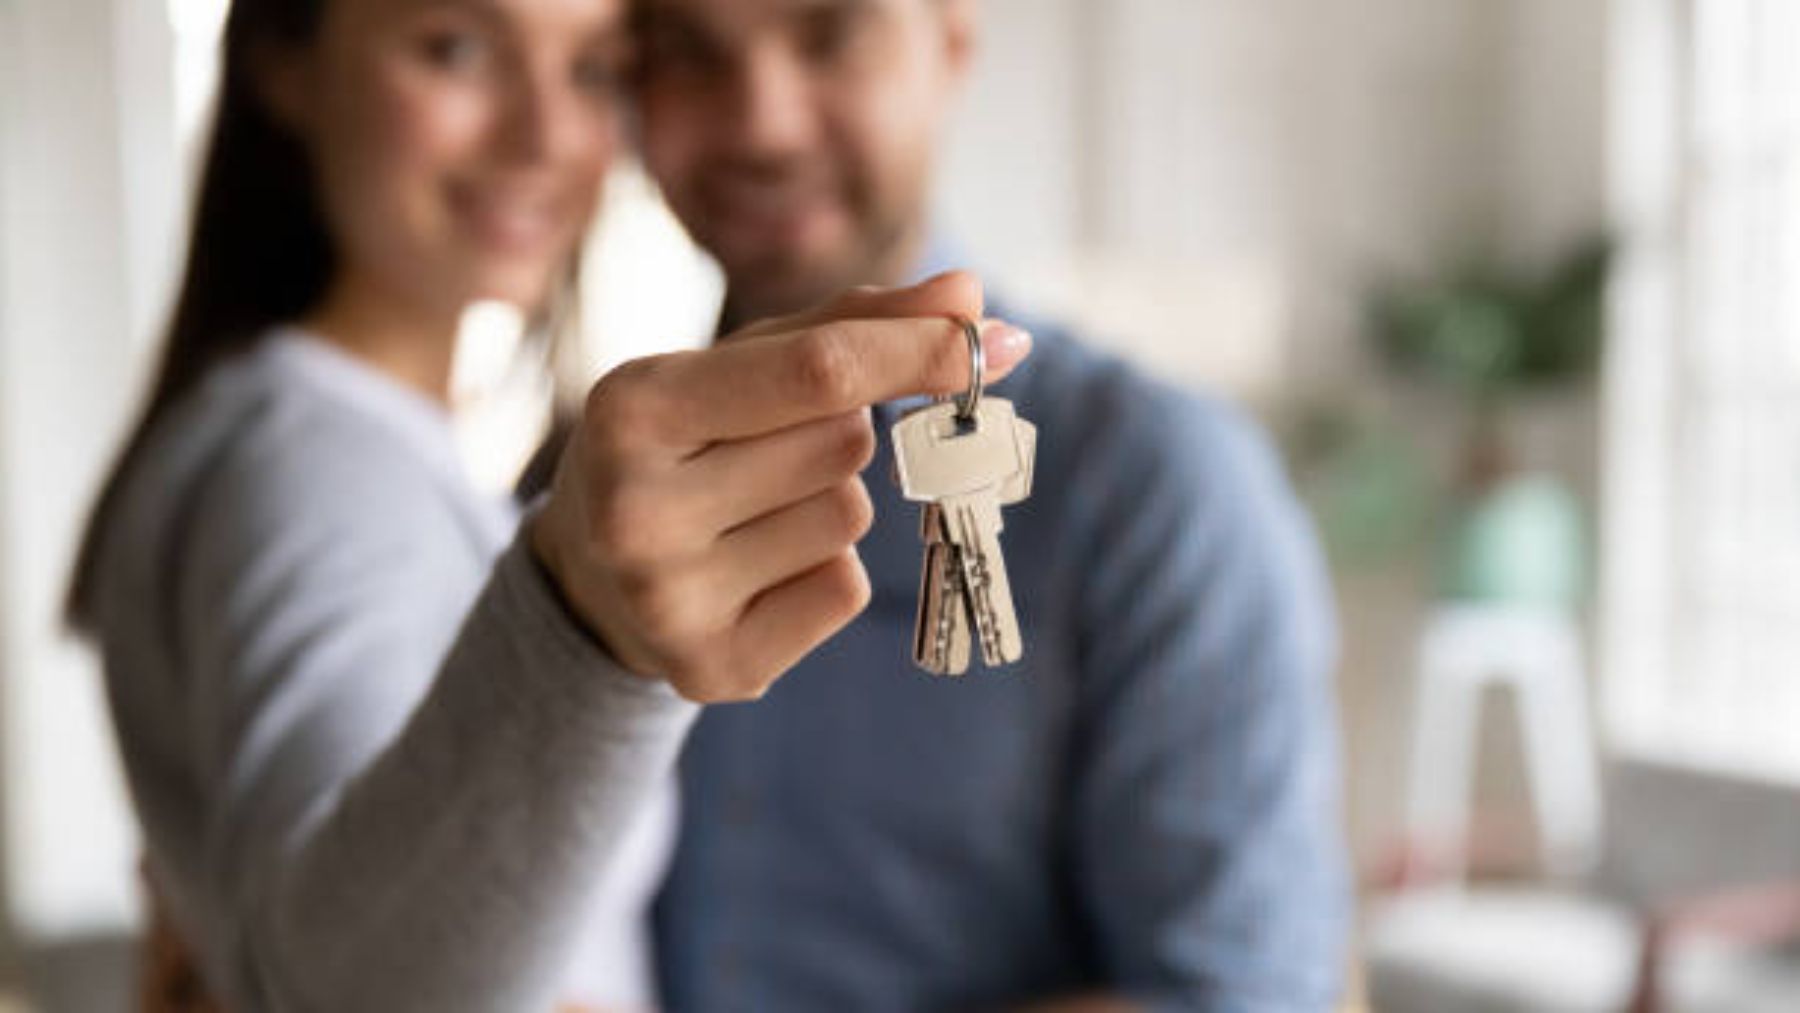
777, 204
510, 222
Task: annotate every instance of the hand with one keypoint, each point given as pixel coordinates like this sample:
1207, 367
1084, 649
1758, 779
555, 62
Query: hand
704, 516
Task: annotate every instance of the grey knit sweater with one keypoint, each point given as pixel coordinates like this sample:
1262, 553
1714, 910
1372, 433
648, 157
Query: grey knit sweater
377, 763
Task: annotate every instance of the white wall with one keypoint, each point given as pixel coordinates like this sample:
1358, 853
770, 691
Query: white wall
1212, 185
83, 218
9, 87
1557, 173
1214, 182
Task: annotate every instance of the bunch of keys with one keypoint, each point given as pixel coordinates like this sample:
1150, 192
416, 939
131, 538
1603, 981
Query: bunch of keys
964, 459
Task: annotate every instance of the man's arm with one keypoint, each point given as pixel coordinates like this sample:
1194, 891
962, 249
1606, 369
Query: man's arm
1208, 852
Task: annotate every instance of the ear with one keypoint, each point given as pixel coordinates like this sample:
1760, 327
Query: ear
961, 34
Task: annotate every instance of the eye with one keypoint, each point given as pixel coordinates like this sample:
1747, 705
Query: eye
601, 72
456, 50
670, 48
825, 33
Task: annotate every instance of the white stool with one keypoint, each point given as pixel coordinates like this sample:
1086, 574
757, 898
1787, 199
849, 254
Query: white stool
1537, 653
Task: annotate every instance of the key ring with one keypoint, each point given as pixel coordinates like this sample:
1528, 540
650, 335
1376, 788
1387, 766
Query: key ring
966, 404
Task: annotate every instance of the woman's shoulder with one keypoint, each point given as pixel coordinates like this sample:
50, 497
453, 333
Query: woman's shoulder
255, 450
257, 417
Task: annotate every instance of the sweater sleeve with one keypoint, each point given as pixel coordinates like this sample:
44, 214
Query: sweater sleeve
389, 826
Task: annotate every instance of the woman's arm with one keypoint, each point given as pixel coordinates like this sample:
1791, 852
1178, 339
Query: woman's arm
392, 828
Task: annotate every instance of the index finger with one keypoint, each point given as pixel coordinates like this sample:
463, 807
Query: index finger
742, 389
950, 294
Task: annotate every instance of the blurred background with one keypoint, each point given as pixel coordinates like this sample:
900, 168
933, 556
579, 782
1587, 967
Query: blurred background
1517, 283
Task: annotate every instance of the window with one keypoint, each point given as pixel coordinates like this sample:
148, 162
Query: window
1703, 442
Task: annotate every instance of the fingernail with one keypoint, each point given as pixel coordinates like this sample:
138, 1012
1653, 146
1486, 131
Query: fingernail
1004, 344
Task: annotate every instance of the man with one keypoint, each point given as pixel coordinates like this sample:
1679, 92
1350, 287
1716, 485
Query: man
1143, 811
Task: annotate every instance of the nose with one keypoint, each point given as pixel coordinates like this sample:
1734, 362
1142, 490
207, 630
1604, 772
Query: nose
546, 121
774, 113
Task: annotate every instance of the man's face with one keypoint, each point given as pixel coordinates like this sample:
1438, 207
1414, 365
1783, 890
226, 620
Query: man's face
795, 138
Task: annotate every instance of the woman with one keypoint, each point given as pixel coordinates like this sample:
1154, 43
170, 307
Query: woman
387, 739
288, 552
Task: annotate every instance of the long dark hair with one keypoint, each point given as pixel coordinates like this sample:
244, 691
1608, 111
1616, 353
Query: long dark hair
259, 253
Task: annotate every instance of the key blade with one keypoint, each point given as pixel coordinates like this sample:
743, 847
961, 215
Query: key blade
940, 629
931, 571
931, 524
975, 535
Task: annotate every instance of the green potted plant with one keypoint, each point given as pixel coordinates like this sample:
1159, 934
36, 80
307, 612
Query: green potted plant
1490, 335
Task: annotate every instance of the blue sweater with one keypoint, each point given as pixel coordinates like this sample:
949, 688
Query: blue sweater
1145, 805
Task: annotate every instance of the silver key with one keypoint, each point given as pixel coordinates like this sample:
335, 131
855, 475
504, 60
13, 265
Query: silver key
970, 470
951, 591
936, 456
941, 643
1018, 488
941, 630
974, 525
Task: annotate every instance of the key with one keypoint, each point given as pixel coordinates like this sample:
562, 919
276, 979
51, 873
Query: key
974, 527
969, 470
936, 456
1018, 488
941, 624
941, 630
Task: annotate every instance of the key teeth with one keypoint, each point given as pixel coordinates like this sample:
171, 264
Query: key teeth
938, 630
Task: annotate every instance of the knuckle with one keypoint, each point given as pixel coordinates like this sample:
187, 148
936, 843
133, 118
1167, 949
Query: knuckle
855, 442
848, 587
604, 396
691, 681
854, 511
855, 299
623, 408
600, 395
706, 679
825, 368
696, 691
857, 590
963, 293
954, 293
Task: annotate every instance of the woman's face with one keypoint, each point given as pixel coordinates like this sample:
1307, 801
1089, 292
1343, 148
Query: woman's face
459, 145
